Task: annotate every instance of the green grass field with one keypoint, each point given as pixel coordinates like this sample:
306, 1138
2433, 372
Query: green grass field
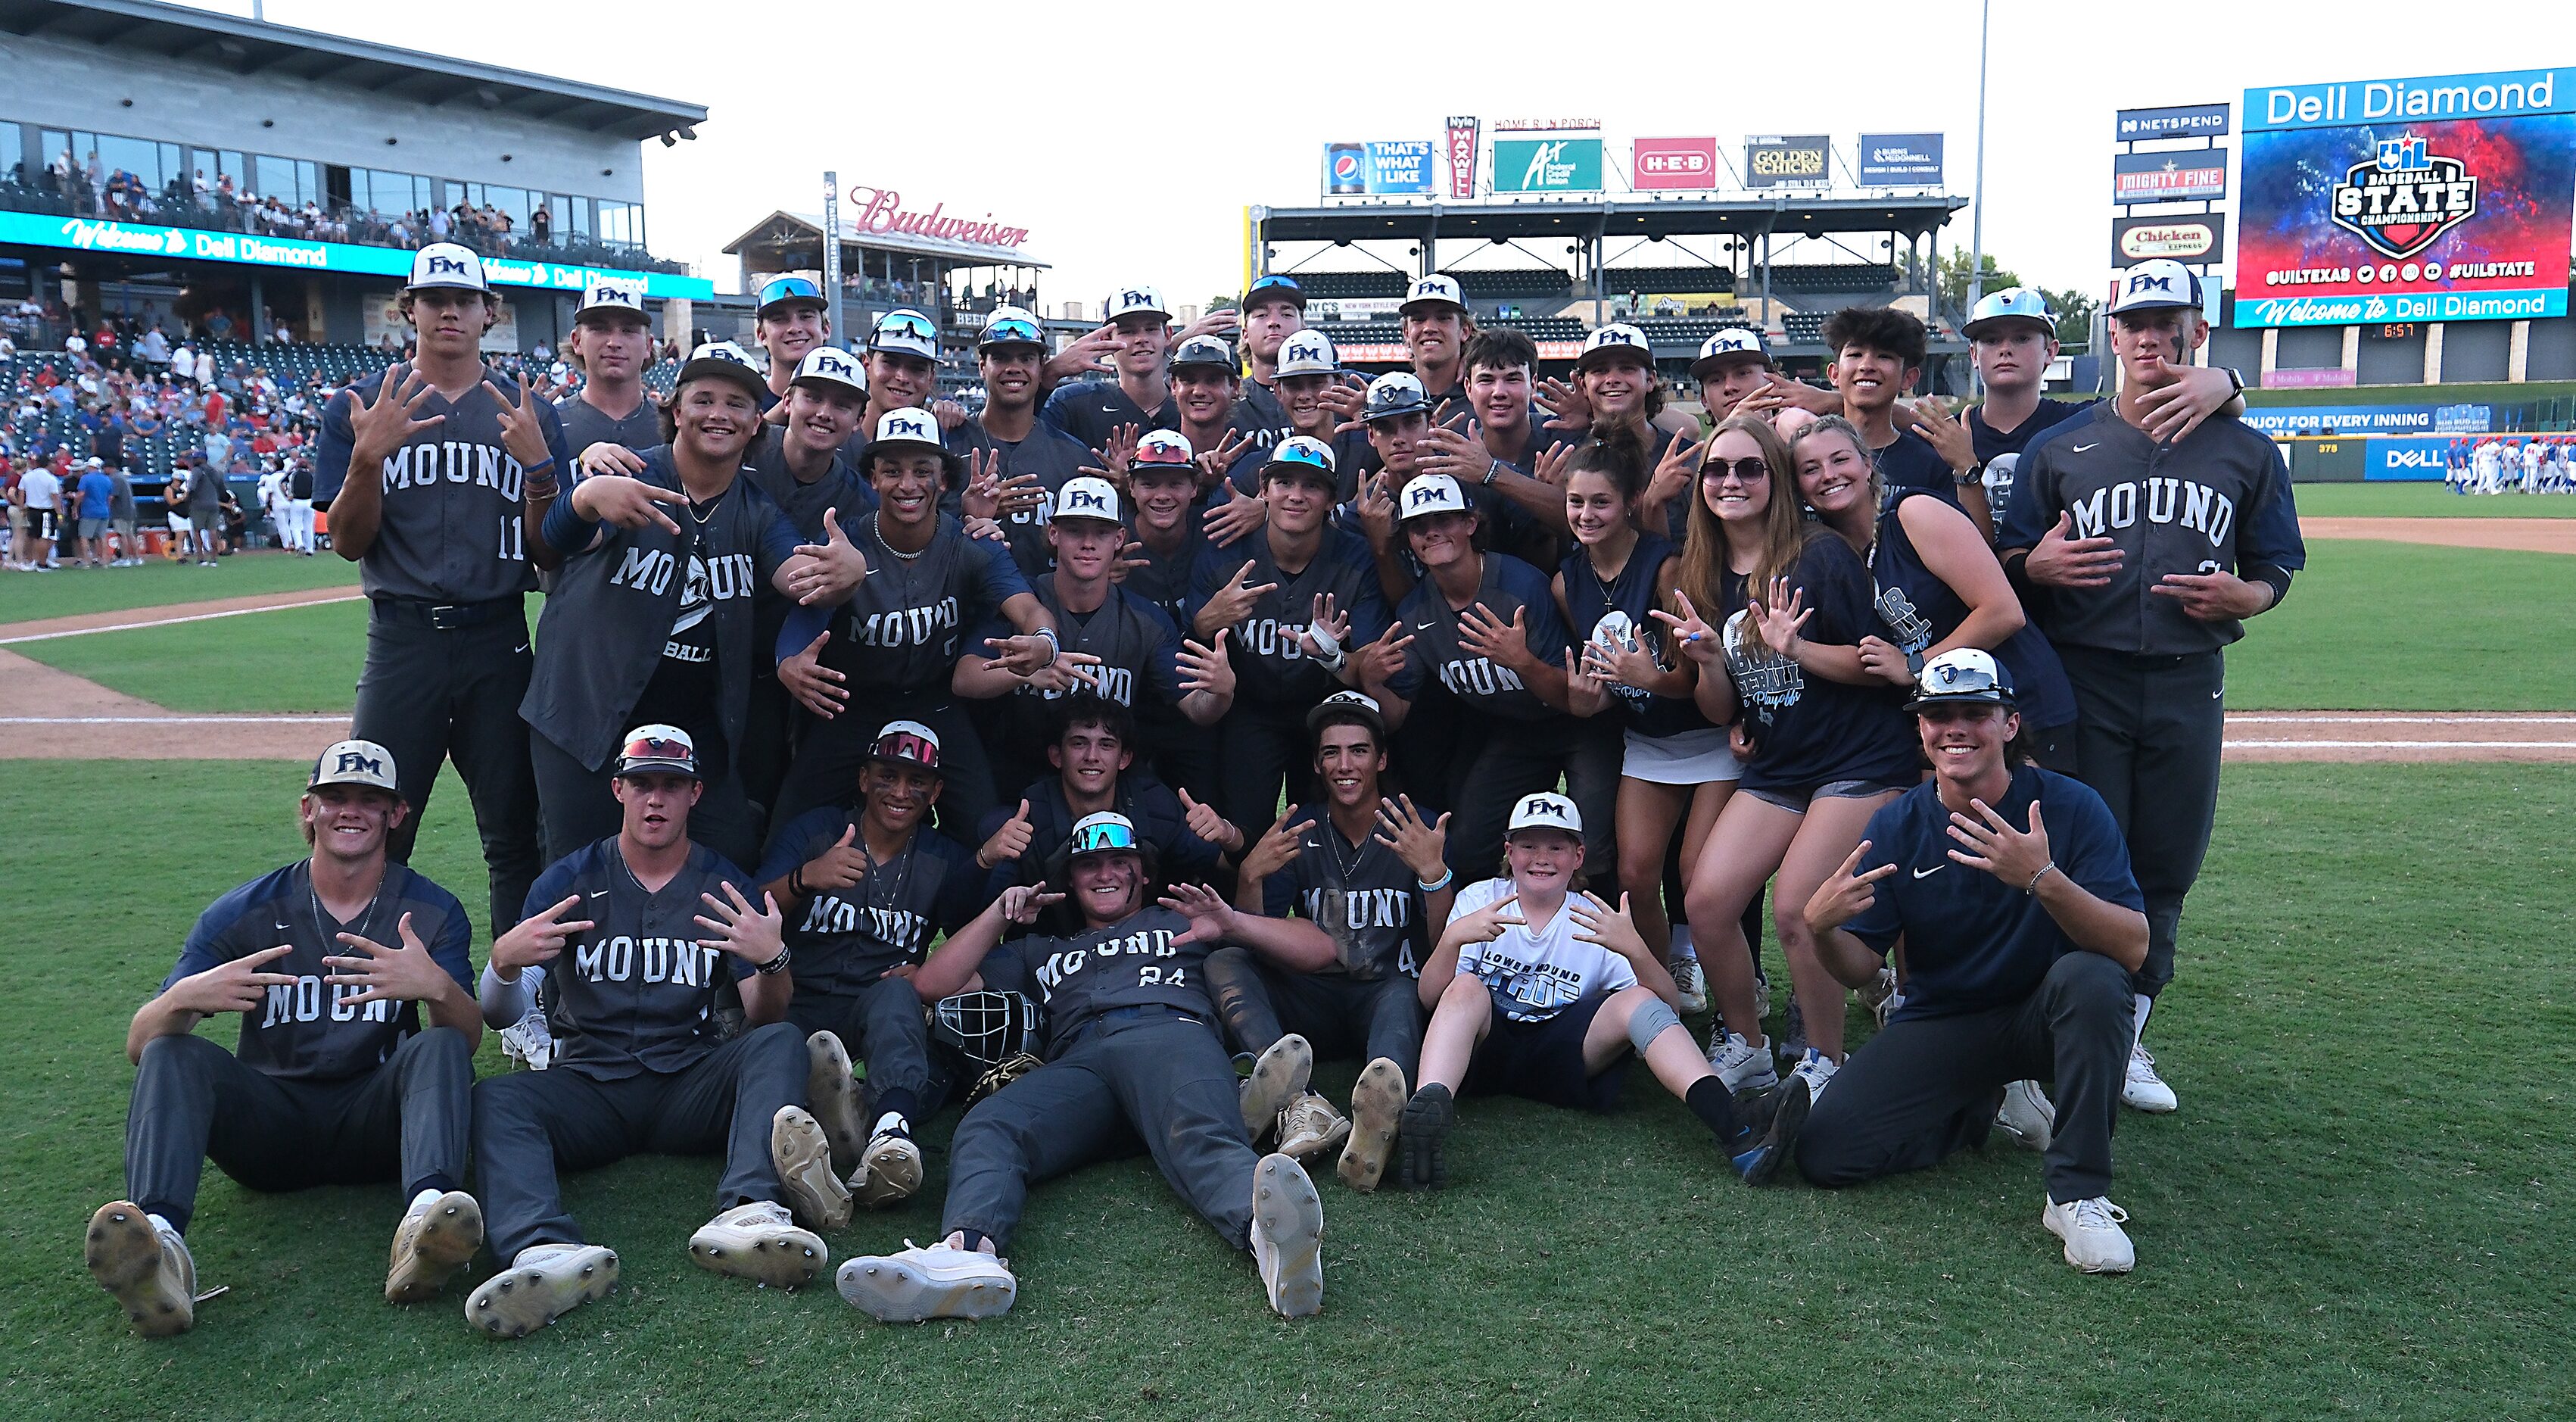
71, 591
2362, 1209
2424, 499
292, 659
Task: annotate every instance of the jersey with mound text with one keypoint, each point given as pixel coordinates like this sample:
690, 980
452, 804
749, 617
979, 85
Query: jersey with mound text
1269, 667
1364, 897
846, 939
1137, 645
309, 1030
454, 498
1139, 961
1508, 588
636, 991
1536, 973
901, 631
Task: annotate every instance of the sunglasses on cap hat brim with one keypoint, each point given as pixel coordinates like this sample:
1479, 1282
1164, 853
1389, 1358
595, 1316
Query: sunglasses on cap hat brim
905, 748
1013, 332
1958, 686
657, 755
1275, 289
1103, 839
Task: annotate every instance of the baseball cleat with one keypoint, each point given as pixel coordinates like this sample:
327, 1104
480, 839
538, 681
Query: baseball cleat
759, 1241
892, 1170
543, 1284
2144, 1090
146, 1266
1377, 1103
1310, 1128
2026, 1115
1762, 1164
438, 1236
1288, 1236
2095, 1243
1276, 1079
804, 1161
834, 1094
1421, 1134
914, 1284
1740, 1064
1692, 983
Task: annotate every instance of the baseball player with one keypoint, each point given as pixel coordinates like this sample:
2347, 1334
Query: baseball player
437, 478
1501, 446
651, 617
1133, 1058
1540, 990
1397, 419
1092, 745
864, 895
612, 345
903, 374
333, 963
1302, 598
1317, 399
2144, 560
2021, 924
895, 643
2532, 457
299, 503
1437, 327
793, 317
637, 932
1274, 309
1163, 485
1370, 871
1092, 411
271, 492
1008, 445
1205, 382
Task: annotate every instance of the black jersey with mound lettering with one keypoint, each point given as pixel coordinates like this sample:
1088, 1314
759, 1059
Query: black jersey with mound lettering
1632, 596
1092, 410
1137, 645
1811, 730
1269, 667
1508, 586
450, 530
845, 939
839, 488
1364, 897
1050, 454
1139, 961
1164, 581
636, 991
902, 630
585, 424
1258, 415
309, 1030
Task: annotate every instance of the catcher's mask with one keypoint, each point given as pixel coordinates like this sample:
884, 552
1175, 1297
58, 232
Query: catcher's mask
987, 1028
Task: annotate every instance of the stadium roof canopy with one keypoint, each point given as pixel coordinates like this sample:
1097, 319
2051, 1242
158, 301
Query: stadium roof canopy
782, 227
244, 46
1797, 215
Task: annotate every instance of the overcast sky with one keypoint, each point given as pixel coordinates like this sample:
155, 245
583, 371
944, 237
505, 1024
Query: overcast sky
1128, 147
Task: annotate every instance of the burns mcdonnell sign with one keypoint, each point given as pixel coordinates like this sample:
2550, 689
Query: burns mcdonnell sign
881, 210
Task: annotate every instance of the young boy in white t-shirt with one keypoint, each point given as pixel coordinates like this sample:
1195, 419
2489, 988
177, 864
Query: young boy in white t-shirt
1540, 990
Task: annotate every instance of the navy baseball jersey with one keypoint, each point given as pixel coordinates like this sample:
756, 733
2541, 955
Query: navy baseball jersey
454, 498
2217, 500
1621, 608
1050, 454
585, 424
636, 991
839, 488
1089, 410
1509, 586
1972, 941
1164, 581
1258, 415
1364, 897
1811, 730
1139, 961
902, 631
1137, 645
1917, 611
1268, 665
845, 939
309, 1030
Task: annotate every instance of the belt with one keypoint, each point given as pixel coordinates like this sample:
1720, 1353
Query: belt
446, 616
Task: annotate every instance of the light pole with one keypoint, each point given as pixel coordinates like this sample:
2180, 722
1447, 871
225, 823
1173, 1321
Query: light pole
832, 252
1977, 218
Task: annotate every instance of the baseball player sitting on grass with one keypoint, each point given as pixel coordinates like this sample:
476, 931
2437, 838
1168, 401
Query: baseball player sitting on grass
2021, 924
1132, 1055
864, 894
637, 932
332, 962
1541, 990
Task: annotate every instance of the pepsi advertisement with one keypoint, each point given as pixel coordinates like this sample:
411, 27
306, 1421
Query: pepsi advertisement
1398, 167
2449, 199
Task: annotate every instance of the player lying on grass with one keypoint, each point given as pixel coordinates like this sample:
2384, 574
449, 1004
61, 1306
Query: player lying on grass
1132, 1055
1542, 991
332, 962
2020, 924
637, 932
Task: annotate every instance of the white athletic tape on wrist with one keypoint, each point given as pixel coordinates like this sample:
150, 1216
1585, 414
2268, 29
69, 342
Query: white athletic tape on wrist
1325, 641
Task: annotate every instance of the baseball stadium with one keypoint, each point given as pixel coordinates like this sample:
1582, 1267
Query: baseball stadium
1574, 799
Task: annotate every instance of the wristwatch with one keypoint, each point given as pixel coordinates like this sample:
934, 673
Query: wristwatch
1973, 475
2234, 378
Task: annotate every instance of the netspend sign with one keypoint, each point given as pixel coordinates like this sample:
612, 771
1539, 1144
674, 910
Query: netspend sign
1673, 164
189, 244
1547, 165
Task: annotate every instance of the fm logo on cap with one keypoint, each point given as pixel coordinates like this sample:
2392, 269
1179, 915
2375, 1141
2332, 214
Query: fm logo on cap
901, 424
1427, 493
1614, 336
1078, 501
1543, 807
1300, 349
826, 363
438, 262
357, 762
2146, 281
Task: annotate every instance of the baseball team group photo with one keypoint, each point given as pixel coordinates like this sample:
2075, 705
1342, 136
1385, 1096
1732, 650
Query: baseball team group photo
1633, 776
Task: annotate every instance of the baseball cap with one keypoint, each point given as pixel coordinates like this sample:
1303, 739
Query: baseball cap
446, 264
1275, 288
1303, 456
2161, 284
1010, 326
1962, 676
1349, 705
610, 296
1162, 450
907, 743
1207, 351
907, 427
1135, 301
1545, 810
904, 331
830, 365
94, 462
781, 290
1733, 343
1089, 497
658, 750
1308, 353
1433, 290
1399, 393
1610, 342
723, 360
1107, 832
1431, 494
354, 763
2013, 303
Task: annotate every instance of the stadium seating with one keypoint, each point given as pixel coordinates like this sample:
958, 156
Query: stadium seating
1688, 330
1618, 281
1804, 328
1346, 286
1543, 328
1505, 283
1835, 278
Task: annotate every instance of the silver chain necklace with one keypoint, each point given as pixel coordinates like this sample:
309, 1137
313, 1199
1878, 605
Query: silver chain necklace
323, 919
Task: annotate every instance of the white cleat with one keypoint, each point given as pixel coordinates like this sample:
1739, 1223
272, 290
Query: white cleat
2095, 1243
1288, 1236
834, 1094
1693, 984
1277, 1079
544, 1283
804, 1161
2144, 1090
759, 1241
1740, 1064
939, 1282
146, 1265
1818, 1069
1377, 1104
1310, 1128
2027, 1115
438, 1236
891, 1173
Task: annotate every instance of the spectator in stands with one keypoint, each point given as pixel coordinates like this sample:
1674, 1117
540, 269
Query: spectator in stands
541, 226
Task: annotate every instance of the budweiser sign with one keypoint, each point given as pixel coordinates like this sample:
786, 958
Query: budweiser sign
881, 210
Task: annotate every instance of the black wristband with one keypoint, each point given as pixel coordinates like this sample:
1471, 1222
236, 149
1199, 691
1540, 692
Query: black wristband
775, 965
